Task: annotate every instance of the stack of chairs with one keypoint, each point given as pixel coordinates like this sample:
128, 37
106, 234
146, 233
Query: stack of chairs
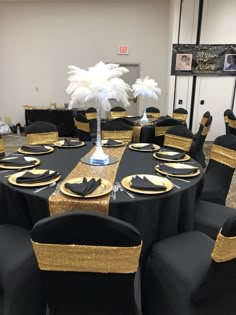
41, 132
88, 262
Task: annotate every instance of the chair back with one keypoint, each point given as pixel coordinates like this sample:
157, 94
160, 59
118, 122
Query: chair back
2, 149
226, 120
82, 127
117, 112
41, 132
220, 169
220, 277
178, 137
117, 130
91, 115
180, 113
88, 262
232, 123
202, 123
152, 111
161, 127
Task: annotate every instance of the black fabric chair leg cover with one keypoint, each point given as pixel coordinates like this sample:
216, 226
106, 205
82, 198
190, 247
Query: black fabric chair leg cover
20, 283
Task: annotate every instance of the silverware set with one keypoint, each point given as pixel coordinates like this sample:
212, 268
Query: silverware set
118, 187
45, 187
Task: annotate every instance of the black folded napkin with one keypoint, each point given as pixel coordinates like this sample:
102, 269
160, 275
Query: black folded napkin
34, 148
69, 143
176, 156
111, 142
145, 184
177, 171
29, 177
84, 188
144, 147
19, 161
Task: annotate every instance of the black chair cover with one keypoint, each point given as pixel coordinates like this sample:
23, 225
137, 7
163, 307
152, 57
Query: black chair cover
226, 119
166, 122
88, 293
202, 123
232, 123
185, 138
40, 127
92, 121
181, 278
218, 175
83, 135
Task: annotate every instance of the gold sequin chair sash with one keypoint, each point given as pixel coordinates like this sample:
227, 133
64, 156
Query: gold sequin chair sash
2, 150
224, 249
223, 155
179, 116
161, 130
178, 142
84, 126
118, 114
203, 120
123, 135
92, 115
153, 114
42, 137
232, 123
84, 258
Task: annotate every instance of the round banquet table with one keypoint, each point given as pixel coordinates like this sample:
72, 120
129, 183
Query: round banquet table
156, 216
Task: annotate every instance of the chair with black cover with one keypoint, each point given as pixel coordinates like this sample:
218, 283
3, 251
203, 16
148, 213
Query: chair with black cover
41, 132
91, 115
117, 112
88, 263
20, 282
82, 127
153, 112
179, 138
202, 123
220, 169
117, 129
2, 149
226, 120
161, 126
196, 151
191, 274
232, 123
180, 113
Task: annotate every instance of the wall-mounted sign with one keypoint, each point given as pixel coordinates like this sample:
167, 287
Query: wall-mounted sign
188, 59
123, 50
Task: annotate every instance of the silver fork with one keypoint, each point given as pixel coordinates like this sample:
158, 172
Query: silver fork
45, 187
170, 179
114, 190
124, 190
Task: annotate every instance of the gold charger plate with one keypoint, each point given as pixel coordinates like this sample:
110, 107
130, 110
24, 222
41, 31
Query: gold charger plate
114, 145
170, 153
157, 180
178, 165
60, 144
138, 147
15, 167
13, 177
50, 149
103, 189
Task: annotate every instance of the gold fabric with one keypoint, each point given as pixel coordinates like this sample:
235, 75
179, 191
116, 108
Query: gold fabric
153, 114
84, 126
203, 120
223, 155
87, 258
232, 123
42, 138
161, 130
136, 133
59, 203
2, 150
114, 114
92, 115
123, 135
206, 130
224, 249
178, 142
179, 116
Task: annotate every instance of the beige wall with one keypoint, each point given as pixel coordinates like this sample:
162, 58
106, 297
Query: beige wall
40, 39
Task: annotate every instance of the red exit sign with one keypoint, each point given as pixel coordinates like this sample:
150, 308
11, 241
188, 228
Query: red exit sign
123, 50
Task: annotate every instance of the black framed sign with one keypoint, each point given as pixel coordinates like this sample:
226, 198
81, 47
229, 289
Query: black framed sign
218, 60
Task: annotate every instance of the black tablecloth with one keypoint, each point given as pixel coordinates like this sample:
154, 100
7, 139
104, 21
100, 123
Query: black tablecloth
156, 216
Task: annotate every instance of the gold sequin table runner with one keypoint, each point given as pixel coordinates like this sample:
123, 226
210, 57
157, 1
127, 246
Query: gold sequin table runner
60, 203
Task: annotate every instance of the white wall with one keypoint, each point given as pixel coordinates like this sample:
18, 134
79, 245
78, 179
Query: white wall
40, 39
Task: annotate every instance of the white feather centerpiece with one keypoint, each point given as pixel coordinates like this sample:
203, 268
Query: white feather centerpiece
146, 88
101, 83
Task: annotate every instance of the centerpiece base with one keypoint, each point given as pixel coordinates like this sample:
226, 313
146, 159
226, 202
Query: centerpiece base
98, 162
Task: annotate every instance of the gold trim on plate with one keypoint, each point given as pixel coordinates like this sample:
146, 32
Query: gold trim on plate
178, 165
138, 147
103, 189
50, 149
60, 144
15, 167
157, 180
120, 144
185, 158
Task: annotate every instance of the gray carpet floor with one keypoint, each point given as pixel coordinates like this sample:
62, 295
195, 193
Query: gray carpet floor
12, 142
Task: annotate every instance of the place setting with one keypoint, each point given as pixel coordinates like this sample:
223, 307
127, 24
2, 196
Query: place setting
34, 178
110, 143
69, 144
16, 162
147, 184
171, 155
35, 149
144, 147
86, 187
177, 169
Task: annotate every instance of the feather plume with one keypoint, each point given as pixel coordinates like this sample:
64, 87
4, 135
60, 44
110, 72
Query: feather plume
146, 88
101, 82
